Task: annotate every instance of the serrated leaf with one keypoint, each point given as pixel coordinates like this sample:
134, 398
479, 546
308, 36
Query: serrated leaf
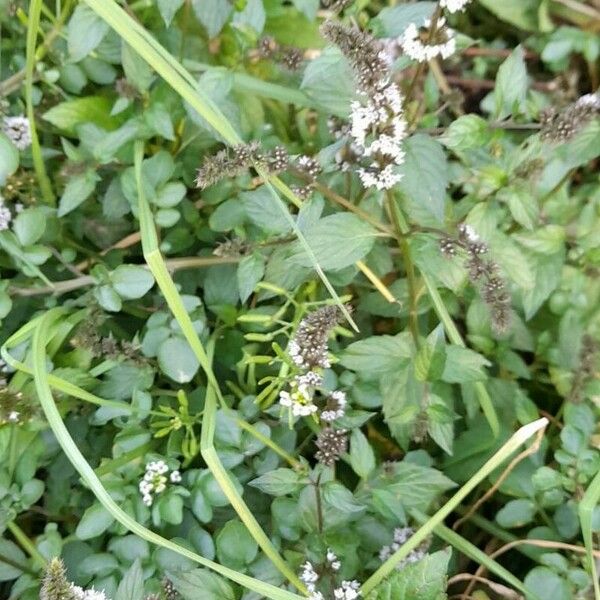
393, 21
329, 81
425, 175
168, 9
377, 355
212, 587
337, 241
511, 85
249, 272
84, 32
132, 584
91, 109
463, 365
213, 14
424, 580
79, 188
362, 457
278, 482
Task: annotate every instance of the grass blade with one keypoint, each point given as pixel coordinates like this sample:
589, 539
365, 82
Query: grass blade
209, 454
35, 8
518, 438
161, 274
78, 461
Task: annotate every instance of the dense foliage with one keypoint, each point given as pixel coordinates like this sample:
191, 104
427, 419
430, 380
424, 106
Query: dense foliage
278, 279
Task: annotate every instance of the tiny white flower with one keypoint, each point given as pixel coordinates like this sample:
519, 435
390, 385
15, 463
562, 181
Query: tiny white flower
147, 499
421, 51
17, 129
175, 477
453, 6
13, 416
5, 216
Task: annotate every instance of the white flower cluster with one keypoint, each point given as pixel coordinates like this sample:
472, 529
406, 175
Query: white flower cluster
453, 6
18, 131
401, 535
155, 480
377, 129
299, 399
5, 215
348, 590
443, 44
336, 406
81, 594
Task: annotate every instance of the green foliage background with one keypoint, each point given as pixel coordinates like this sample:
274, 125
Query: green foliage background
145, 319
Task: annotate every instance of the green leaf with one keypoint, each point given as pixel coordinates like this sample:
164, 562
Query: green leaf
78, 189
392, 21
424, 580
84, 32
95, 521
10, 549
522, 204
108, 299
337, 241
9, 158
511, 85
463, 365
235, 545
168, 9
29, 226
545, 583
91, 109
250, 271
132, 584
329, 82
425, 175
137, 70
263, 210
416, 486
522, 13
210, 586
170, 195
131, 281
253, 15
177, 360
278, 482
516, 513
378, 354
213, 14
362, 457
466, 132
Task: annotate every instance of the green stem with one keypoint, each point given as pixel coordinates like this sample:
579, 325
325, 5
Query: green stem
454, 336
35, 8
401, 233
587, 506
26, 544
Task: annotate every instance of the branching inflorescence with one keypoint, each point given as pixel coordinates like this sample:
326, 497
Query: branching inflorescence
483, 272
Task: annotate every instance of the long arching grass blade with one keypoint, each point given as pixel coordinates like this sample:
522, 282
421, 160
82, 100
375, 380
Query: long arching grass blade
87, 473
